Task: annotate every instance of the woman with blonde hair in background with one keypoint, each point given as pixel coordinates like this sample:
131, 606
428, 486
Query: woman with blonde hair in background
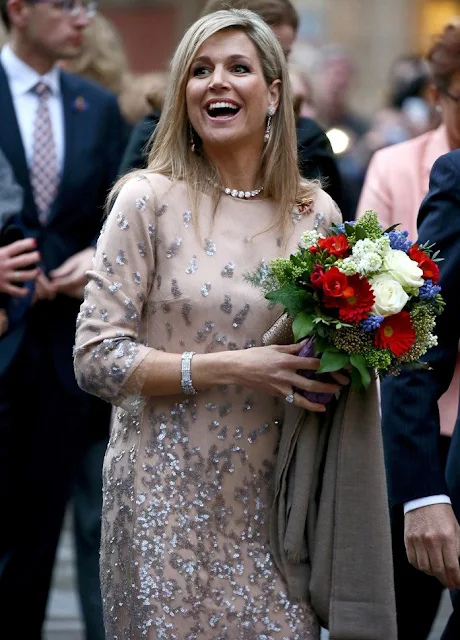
396, 183
171, 333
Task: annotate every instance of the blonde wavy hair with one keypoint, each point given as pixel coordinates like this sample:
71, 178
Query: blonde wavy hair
171, 154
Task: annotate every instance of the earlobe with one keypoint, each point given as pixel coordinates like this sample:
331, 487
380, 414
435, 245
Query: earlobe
274, 91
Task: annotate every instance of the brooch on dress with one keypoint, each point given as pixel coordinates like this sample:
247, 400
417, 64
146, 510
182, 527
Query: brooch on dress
303, 207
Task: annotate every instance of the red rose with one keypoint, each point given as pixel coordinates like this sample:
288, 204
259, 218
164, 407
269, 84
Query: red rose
316, 277
426, 264
313, 249
396, 333
336, 245
335, 283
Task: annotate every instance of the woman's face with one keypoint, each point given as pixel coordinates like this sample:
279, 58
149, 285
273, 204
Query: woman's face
227, 95
450, 104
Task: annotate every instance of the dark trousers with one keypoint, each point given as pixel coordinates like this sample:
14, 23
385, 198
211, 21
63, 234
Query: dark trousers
417, 594
42, 436
452, 630
87, 508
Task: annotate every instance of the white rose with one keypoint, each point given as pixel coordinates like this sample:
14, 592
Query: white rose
402, 269
390, 297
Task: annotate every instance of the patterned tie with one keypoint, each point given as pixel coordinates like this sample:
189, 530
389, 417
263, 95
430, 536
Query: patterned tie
44, 169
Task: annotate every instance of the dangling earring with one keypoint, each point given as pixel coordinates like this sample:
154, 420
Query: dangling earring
192, 139
438, 108
271, 112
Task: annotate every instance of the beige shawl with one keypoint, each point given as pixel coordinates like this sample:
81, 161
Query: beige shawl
329, 524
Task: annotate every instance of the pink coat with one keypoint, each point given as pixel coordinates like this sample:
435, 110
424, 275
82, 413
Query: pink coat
396, 182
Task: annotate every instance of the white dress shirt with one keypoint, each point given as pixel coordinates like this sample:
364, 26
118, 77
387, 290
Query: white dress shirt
22, 79
425, 502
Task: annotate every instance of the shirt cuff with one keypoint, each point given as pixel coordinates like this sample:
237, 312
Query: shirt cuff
425, 502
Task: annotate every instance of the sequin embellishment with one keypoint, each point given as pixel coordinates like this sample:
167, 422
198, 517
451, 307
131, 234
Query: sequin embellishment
192, 268
187, 218
141, 203
241, 316
209, 247
205, 289
227, 271
174, 248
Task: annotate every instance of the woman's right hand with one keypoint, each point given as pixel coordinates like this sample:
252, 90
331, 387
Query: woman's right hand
273, 370
16, 260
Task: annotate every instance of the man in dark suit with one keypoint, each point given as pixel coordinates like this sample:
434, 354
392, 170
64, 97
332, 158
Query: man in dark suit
62, 137
425, 502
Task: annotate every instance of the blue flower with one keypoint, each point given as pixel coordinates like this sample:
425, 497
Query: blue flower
341, 227
371, 323
429, 290
399, 240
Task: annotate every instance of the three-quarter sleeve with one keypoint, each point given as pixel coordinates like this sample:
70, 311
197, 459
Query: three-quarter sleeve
108, 347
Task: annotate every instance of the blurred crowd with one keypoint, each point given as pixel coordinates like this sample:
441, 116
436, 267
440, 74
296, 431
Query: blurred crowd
348, 151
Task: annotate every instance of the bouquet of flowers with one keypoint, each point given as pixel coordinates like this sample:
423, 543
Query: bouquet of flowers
366, 298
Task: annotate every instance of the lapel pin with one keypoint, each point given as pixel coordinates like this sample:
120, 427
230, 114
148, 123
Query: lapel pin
80, 104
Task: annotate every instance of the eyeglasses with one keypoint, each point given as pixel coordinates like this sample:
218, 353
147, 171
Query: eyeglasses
72, 7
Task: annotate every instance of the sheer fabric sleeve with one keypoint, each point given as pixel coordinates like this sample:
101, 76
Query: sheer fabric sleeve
108, 347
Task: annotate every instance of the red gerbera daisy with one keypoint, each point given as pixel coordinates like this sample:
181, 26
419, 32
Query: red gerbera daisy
356, 302
396, 333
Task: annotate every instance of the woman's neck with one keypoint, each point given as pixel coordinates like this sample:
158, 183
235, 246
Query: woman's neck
239, 171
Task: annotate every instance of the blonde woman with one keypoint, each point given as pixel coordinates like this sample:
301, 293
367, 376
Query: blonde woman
170, 332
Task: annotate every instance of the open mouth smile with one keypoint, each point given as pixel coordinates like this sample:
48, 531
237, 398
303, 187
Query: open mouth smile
222, 110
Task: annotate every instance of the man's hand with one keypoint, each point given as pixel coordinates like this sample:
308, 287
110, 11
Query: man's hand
70, 278
432, 539
14, 258
44, 289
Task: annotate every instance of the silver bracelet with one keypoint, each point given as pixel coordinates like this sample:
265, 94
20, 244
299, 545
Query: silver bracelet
186, 373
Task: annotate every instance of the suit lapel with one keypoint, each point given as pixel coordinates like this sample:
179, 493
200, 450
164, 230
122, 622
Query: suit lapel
11, 143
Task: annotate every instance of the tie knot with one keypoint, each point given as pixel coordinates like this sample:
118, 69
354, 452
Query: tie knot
42, 90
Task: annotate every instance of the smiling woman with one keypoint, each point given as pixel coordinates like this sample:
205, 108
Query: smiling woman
171, 333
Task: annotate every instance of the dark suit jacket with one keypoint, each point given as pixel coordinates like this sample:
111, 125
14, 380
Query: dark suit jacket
316, 158
93, 148
409, 402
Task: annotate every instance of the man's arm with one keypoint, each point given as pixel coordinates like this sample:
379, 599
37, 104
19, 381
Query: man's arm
410, 416
70, 277
410, 413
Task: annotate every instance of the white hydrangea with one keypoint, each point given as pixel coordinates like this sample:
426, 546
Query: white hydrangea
364, 247
382, 246
369, 263
432, 341
309, 238
347, 266
368, 255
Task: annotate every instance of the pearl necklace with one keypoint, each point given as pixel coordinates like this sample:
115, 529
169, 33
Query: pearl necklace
234, 193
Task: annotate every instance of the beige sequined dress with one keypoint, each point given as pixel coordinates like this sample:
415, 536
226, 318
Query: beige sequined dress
186, 478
